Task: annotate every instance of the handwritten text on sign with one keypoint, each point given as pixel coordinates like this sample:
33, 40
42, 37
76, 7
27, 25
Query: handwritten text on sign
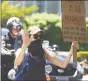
73, 21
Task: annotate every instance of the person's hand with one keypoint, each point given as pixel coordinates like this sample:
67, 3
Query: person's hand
11, 74
45, 44
75, 44
26, 39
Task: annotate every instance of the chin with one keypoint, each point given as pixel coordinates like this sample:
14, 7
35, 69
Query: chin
16, 34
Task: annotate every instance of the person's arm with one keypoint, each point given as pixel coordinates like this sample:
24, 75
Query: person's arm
52, 57
21, 52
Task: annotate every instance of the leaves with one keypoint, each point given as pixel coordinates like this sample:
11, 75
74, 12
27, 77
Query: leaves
52, 24
9, 10
44, 20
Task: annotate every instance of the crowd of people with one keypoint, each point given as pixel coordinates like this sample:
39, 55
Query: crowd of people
28, 60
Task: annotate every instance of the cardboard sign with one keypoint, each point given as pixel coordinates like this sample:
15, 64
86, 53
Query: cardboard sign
73, 21
74, 24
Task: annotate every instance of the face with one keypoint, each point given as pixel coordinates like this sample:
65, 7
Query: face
15, 31
37, 35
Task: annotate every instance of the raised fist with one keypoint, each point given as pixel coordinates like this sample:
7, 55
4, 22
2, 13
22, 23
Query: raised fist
75, 44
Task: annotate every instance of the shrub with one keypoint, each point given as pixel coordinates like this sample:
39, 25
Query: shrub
50, 23
9, 10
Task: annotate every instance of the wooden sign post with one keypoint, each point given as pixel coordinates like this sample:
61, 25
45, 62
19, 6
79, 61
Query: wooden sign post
73, 23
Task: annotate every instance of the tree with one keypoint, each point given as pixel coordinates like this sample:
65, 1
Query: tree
8, 10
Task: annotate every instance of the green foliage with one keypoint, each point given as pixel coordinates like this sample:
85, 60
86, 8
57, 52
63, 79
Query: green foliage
43, 19
52, 24
9, 10
48, 22
84, 46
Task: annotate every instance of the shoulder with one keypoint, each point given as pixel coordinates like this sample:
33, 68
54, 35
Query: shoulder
4, 33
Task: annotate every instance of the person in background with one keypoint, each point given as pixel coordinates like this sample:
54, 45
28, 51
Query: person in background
38, 52
11, 41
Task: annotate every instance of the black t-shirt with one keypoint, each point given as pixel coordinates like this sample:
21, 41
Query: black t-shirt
35, 48
36, 61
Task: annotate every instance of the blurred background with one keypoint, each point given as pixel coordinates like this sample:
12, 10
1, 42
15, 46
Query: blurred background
47, 15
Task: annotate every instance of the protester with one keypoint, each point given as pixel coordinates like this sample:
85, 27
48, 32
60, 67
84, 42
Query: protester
38, 54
